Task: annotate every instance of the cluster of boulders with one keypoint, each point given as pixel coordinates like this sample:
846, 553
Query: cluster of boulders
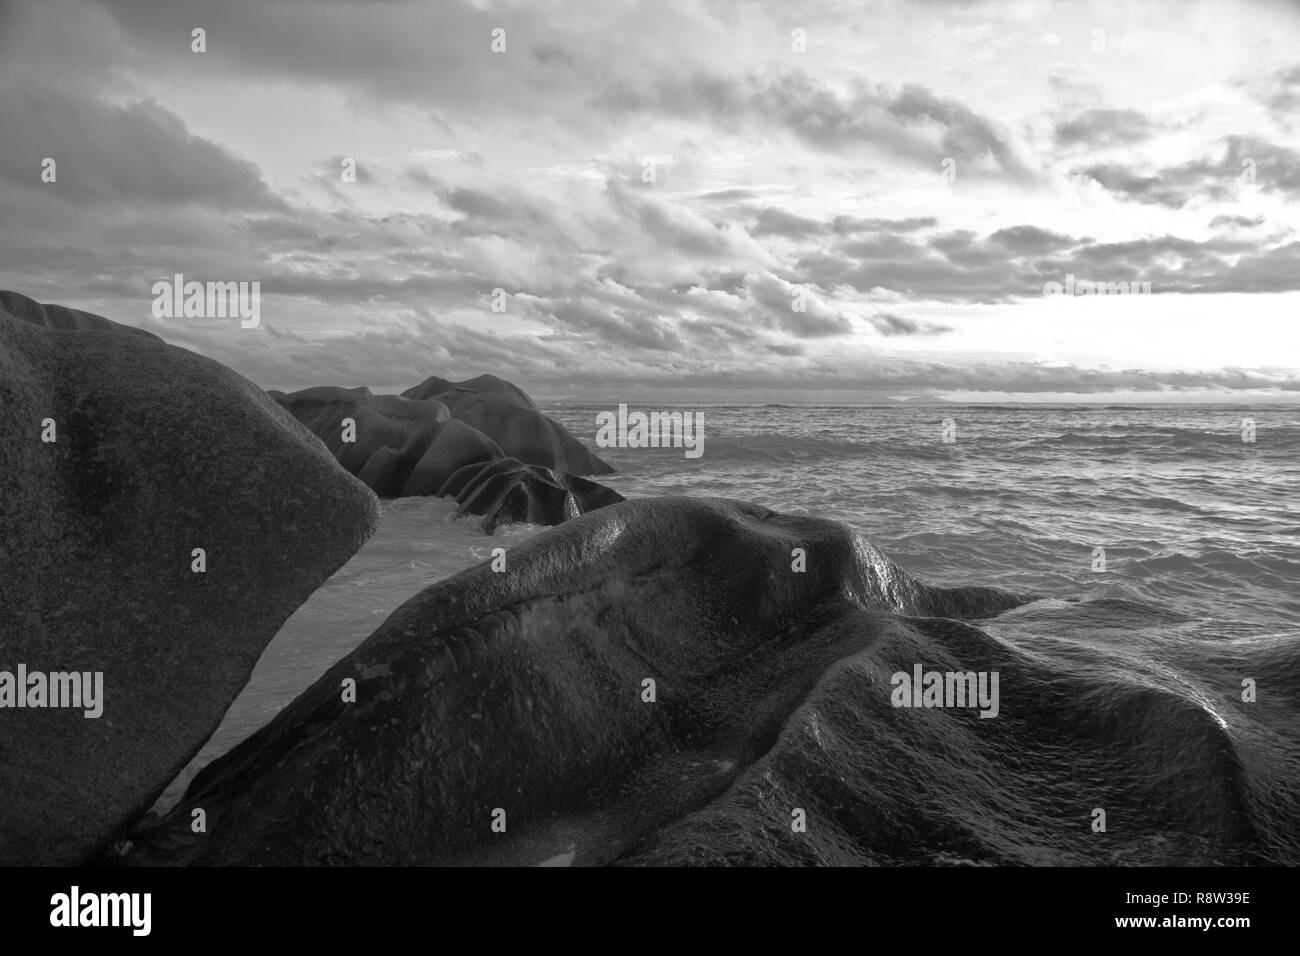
162, 517
660, 681
482, 442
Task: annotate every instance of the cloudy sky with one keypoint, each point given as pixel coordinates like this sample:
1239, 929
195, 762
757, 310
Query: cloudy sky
915, 171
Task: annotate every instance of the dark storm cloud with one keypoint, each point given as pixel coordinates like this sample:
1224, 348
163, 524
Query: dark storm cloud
846, 225
718, 337
881, 246
1282, 94
137, 153
509, 213
1260, 270
887, 323
480, 204
729, 195
396, 52
1240, 222
631, 331
720, 280
967, 135
777, 222
789, 350
533, 221
549, 54
898, 122
668, 226
960, 265
1104, 127
772, 221
1273, 168
1030, 240
422, 178
1152, 189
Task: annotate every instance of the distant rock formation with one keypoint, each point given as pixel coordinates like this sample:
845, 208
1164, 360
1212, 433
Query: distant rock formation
482, 442
627, 668
122, 457
505, 414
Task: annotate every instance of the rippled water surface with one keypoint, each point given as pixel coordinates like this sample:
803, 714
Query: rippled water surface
1187, 513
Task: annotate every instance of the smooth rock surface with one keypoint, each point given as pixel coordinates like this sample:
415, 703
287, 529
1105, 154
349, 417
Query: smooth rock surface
159, 451
523, 690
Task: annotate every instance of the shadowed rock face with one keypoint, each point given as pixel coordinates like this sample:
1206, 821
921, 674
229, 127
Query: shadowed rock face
482, 442
391, 436
508, 416
507, 491
159, 452
525, 691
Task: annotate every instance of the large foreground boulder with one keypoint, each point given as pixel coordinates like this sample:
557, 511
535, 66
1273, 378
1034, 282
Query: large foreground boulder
692, 681
616, 673
482, 442
50, 316
161, 518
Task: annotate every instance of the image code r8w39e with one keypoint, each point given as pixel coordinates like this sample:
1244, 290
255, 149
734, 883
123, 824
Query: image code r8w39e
698, 434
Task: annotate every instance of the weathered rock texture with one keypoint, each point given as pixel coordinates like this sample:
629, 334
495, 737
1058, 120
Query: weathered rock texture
482, 442
158, 452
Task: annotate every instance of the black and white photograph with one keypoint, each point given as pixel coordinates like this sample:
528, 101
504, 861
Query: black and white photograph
650, 433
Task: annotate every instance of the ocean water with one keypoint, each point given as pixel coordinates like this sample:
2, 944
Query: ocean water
1188, 514
1162, 550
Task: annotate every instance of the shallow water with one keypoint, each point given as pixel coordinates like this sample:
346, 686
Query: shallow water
419, 541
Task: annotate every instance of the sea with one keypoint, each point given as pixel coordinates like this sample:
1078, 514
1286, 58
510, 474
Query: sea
1159, 545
